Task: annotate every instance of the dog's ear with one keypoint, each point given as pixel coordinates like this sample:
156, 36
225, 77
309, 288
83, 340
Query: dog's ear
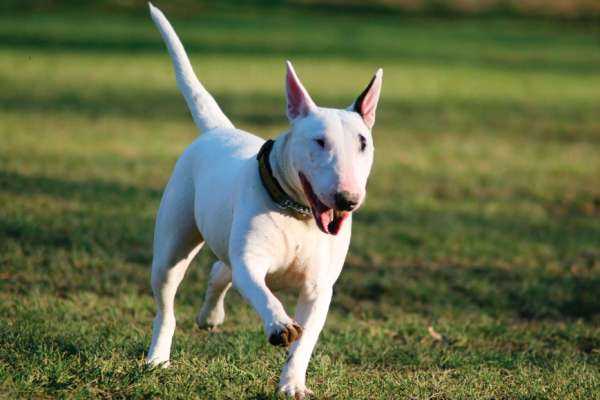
299, 103
366, 103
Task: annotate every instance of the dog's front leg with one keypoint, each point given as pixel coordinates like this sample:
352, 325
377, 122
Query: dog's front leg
311, 313
249, 279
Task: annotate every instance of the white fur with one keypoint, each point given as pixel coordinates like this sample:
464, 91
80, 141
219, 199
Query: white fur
215, 197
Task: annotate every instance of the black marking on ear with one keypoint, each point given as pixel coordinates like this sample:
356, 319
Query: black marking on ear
361, 97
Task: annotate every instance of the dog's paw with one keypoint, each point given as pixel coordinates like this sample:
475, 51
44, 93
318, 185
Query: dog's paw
285, 335
295, 390
210, 324
157, 363
210, 319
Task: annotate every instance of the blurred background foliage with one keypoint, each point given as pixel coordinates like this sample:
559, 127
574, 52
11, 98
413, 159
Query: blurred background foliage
561, 9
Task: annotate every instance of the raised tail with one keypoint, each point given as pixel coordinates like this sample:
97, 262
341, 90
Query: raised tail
206, 112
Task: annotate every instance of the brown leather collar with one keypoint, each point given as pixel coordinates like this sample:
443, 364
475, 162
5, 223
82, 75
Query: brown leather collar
276, 192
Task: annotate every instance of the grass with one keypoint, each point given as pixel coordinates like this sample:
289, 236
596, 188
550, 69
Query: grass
483, 216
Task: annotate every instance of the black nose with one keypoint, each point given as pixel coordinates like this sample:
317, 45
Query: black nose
346, 201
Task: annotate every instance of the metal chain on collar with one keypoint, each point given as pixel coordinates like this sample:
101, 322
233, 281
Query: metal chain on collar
292, 205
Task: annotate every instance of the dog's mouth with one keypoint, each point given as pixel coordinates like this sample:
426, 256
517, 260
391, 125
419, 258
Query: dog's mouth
328, 220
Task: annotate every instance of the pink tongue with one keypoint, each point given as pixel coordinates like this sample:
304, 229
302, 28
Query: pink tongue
324, 218
327, 223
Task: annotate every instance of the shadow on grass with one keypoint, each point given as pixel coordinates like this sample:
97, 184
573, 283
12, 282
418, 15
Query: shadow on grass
530, 294
89, 191
557, 288
93, 227
334, 48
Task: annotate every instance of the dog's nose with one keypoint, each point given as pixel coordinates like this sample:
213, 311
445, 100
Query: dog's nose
346, 201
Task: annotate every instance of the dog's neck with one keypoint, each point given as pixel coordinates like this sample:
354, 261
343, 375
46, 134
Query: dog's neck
283, 171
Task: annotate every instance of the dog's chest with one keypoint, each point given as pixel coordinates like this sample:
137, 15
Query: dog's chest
299, 265
306, 258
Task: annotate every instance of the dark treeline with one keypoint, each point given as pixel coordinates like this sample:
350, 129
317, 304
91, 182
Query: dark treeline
554, 9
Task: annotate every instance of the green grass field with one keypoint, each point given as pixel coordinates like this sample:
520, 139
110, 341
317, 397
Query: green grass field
483, 215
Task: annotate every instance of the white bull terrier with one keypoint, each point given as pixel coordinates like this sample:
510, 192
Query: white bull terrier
279, 219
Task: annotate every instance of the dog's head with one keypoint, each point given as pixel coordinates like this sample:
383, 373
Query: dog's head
331, 150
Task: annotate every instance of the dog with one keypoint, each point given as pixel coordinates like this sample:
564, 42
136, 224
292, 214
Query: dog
276, 214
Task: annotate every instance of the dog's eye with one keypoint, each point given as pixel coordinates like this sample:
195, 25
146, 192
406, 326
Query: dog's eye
363, 142
320, 142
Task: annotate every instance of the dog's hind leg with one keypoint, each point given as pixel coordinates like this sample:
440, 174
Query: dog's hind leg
167, 273
168, 269
176, 243
212, 312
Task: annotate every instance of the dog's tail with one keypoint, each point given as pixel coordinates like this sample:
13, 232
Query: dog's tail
205, 110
